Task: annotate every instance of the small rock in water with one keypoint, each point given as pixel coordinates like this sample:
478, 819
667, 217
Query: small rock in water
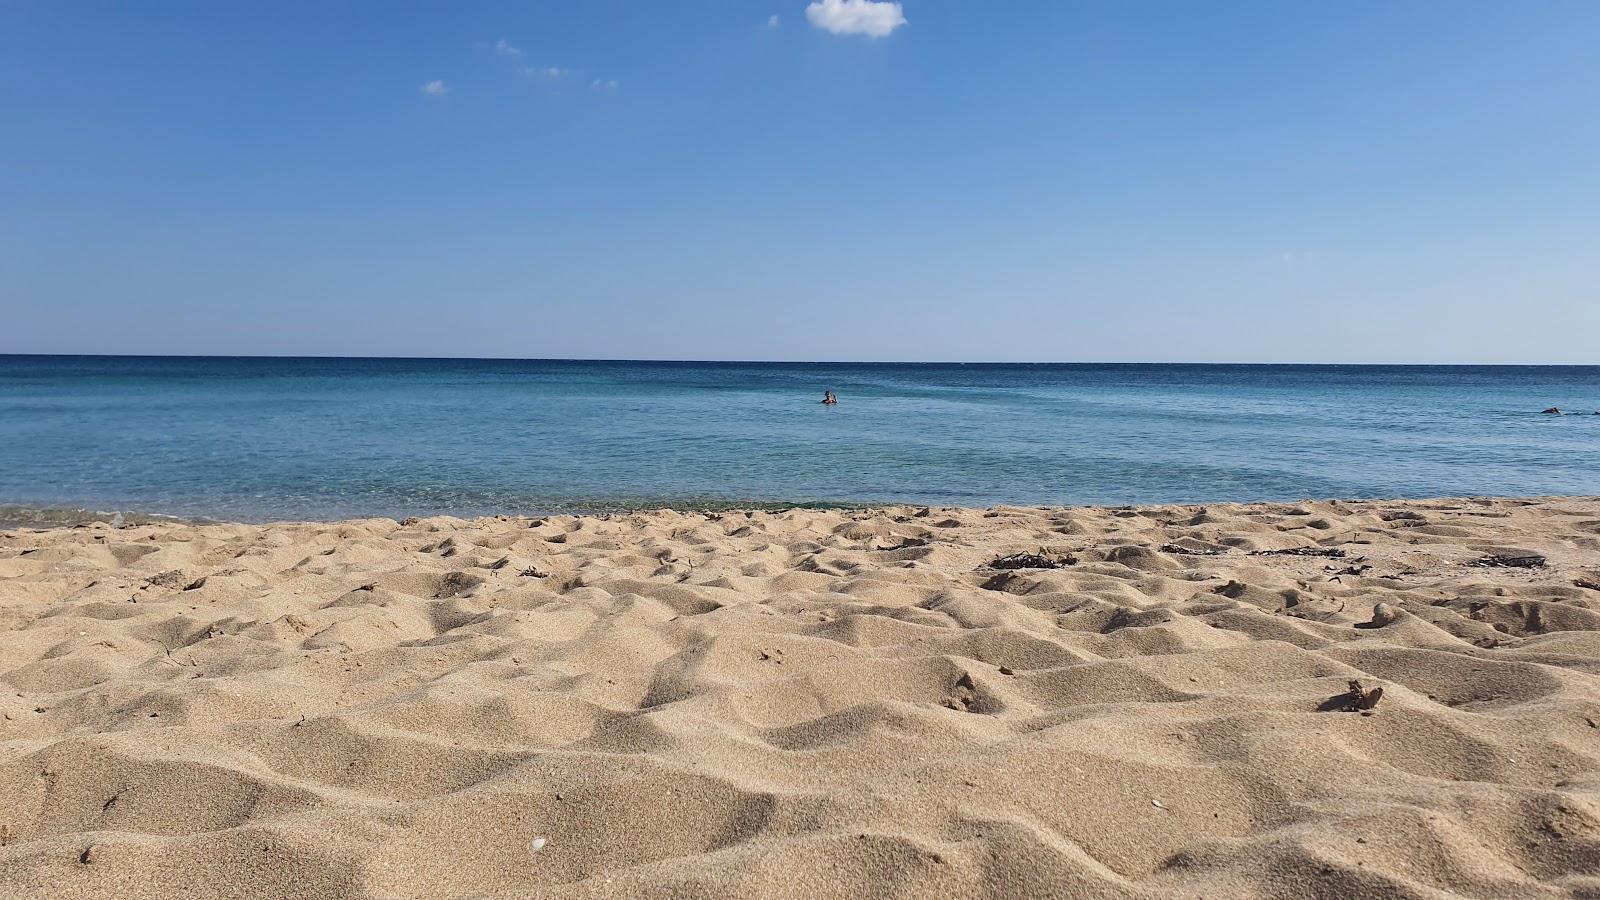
1553, 411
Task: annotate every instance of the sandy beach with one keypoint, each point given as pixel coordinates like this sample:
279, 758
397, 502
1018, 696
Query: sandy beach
904, 702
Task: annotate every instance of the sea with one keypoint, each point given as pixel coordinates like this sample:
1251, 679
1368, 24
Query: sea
256, 439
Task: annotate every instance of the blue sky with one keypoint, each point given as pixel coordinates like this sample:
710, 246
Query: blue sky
1296, 182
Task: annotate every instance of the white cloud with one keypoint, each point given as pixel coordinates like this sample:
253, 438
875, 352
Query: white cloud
502, 48
874, 18
548, 72
435, 89
605, 84
772, 22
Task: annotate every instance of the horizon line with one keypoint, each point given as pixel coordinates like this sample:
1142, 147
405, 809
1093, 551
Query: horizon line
791, 362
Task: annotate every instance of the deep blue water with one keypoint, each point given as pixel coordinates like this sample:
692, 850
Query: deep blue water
256, 438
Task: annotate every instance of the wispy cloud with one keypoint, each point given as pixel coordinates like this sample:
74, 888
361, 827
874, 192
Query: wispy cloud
873, 18
542, 73
435, 89
772, 22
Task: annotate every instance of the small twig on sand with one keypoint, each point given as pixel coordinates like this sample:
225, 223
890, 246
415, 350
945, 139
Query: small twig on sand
1030, 561
1510, 561
1356, 699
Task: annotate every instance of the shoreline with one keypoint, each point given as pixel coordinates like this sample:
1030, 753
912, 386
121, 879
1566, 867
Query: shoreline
30, 517
44, 517
1365, 697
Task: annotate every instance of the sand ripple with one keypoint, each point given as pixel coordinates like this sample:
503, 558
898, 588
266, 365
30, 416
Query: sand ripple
809, 703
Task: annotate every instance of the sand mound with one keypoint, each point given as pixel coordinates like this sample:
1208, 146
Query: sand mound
901, 702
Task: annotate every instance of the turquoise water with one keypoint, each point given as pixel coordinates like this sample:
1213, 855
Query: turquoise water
327, 438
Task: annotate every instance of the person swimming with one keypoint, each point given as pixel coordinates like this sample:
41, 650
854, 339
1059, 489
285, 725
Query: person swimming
828, 399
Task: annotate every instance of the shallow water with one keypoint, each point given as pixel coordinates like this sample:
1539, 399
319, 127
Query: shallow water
326, 438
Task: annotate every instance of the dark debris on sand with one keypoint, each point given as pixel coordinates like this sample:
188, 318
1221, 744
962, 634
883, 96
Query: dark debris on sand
1181, 550
1510, 561
1356, 699
1030, 561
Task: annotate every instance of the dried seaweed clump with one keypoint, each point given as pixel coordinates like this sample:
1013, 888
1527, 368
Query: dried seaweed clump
1040, 560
